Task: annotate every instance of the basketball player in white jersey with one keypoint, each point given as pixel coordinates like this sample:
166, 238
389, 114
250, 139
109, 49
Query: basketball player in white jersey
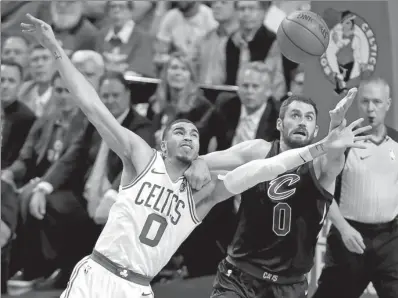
156, 208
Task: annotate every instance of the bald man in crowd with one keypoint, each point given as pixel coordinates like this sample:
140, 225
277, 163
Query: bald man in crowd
362, 245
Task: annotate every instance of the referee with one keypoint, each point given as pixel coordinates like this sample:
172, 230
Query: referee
362, 245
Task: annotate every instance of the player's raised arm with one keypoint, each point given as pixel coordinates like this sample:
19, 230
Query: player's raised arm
127, 145
235, 156
198, 174
256, 171
331, 164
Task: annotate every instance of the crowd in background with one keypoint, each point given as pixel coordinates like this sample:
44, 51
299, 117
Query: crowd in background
56, 171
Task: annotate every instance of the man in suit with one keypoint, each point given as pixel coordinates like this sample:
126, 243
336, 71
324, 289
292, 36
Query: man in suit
91, 64
254, 42
124, 45
252, 113
37, 92
17, 119
16, 49
46, 165
103, 178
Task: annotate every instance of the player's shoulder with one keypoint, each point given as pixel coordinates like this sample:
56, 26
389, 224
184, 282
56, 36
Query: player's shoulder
259, 148
392, 133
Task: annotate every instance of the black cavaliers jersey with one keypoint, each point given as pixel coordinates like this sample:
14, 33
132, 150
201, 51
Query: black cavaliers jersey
280, 220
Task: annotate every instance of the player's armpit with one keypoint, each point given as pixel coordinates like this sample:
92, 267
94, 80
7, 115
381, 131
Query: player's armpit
235, 156
328, 182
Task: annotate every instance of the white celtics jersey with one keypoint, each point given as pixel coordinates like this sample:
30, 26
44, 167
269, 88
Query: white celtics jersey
150, 219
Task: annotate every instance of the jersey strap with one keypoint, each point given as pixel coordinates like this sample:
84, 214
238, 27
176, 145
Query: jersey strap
191, 203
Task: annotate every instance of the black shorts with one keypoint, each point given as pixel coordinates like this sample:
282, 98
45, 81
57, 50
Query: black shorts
231, 282
353, 272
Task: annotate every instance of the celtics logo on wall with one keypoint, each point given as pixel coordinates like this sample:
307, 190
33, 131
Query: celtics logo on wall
352, 52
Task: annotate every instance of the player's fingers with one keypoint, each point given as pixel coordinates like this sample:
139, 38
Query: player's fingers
362, 138
357, 145
194, 183
35, 212
199, 184
360, 242
208, 179
42, 208
350, 96
361, 130
350, 246
28, 32
355, 246
34, 20
355, 123
27, 26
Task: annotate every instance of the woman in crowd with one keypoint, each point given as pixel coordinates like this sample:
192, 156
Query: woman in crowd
179, 96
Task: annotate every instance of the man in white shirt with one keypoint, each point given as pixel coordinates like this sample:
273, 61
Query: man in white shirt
363, 242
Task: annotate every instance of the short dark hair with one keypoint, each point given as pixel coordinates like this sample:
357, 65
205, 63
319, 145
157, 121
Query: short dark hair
14, 64
114, 75
130, 5
168, 126
264, 5
286, 103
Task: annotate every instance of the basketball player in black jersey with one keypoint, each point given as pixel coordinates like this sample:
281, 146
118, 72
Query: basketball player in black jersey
279, 220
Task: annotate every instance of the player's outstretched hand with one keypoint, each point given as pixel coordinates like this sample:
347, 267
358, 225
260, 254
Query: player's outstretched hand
347, 136
40, 30
353, 240
198, 174
338, 114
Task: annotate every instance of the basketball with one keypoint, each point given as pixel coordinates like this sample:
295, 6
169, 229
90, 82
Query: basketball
302, 36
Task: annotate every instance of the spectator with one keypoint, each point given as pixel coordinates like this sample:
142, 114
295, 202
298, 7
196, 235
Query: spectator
211, 60
124, 46
178, 96
71, 28
362, 243
296, 84
90, 64
252, 113
37, 92
17, 120
181, 29
47, 166
254, 42
16, 49
142, 15
104, 176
